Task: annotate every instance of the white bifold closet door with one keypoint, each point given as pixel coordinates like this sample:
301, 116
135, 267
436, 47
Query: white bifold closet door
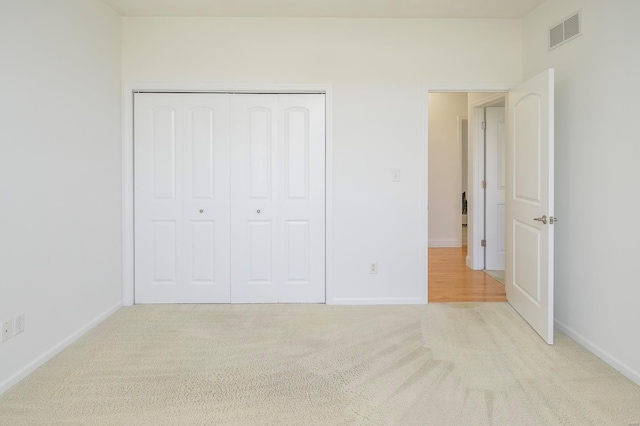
278, 198
229, 198
182, 210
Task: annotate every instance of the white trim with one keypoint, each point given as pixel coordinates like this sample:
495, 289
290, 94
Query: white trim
127, 164
56, 349
475, 88
445, 242
624, 369
328, 220
423, 223
378, 301
475, 198
127, 198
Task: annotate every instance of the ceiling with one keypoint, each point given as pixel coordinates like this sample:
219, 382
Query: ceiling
512, 9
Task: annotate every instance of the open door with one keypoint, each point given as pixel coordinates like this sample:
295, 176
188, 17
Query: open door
495, 162
529, 198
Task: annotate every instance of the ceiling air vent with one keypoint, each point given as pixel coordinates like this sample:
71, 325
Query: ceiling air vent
565, 31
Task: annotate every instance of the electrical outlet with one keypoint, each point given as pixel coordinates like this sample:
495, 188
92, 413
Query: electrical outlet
395, 177
19, 323
373, 268
7, 330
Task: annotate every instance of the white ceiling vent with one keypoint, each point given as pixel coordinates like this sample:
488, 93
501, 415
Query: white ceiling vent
566, 30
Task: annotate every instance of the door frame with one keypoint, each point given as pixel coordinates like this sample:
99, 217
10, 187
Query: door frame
128, 210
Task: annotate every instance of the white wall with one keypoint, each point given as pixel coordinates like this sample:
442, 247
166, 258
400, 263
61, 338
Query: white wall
445, 175
597, 191
378, 69
60, 185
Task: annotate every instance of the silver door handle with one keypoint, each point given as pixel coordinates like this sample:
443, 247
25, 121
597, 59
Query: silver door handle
542, 219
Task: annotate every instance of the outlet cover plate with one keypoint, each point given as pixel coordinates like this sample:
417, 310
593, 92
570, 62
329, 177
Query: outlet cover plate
7, 330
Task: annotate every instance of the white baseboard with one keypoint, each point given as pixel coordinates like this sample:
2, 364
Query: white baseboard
377, 301
444, 242
56, 349
625, 370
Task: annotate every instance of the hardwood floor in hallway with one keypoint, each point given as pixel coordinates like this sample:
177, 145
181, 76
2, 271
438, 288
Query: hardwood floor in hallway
451, 281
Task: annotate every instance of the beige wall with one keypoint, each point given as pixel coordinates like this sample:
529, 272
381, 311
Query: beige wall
355, 51
379, 71
445, 174
60, 179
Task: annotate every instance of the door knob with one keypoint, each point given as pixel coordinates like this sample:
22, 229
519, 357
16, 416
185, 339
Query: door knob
201, 211
542, 219
258, 211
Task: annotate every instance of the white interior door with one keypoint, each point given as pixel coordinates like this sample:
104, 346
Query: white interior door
495, 177
530, 214
254, 197
181, 173
278, 225
301, 201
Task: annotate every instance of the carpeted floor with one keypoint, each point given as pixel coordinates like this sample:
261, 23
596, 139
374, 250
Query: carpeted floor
440, 364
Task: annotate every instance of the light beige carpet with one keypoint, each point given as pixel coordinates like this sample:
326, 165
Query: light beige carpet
441, 364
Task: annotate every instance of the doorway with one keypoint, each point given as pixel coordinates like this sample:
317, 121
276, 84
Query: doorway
456, 138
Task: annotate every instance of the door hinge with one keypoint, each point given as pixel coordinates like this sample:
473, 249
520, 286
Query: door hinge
483, 125
483, 184
483, 243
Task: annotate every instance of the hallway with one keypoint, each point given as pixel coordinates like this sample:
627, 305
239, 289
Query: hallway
451, 281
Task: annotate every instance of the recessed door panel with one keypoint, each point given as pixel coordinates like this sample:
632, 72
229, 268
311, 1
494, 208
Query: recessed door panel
260, 152
203, 254
297, 250
526, 148
163, 143
164, 251
202, 140
260, 251
296, 146
502, 154
526, 260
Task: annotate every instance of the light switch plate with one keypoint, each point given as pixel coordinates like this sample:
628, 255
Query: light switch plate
19, 323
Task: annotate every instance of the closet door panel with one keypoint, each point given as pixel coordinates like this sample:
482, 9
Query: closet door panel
254, 226
181, 151
158, 197
301, 205
205, 207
